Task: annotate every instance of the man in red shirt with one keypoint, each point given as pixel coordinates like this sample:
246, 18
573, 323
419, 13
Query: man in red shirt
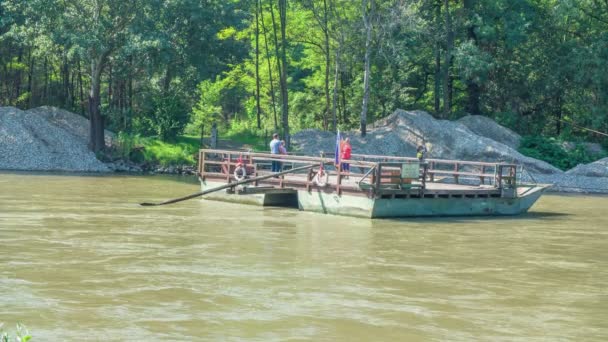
345, 152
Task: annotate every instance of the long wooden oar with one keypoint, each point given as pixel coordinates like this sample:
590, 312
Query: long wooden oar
226, 186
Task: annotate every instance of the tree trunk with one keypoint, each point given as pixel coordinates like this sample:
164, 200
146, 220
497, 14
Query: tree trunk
72, 90
46, 81
283, 78
272, 94
96, 142
18, 76
80, 85
473, 89
558, 114
257, 63
65, 71
110, 85
367, 21
168, 78
327, 67
335, 90
130, 102
447, 103
276, 47
30, 77
437, 89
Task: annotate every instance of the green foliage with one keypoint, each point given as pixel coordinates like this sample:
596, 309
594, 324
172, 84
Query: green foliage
551, 151
154, 151
208, 109
176, 62
159, 152
169, 114
126, 143
244, 135
21, 334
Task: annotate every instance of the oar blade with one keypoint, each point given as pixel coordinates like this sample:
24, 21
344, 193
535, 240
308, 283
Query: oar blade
148, 204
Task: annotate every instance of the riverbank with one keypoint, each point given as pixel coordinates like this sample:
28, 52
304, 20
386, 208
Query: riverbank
52, 139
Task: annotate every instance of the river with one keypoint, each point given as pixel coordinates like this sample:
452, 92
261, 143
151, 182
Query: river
81, 261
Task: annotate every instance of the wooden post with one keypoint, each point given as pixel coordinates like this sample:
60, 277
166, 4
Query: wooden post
514, 179
201, 164
378, 182
455, 174
308, 179
432, 174
228, 167
424, 169
339, 179
483, 171
499, 177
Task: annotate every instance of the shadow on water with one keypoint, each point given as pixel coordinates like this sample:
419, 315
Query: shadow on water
536, 215
190, 179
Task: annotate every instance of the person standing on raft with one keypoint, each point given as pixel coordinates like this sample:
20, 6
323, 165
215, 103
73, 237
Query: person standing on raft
420, 152
275, 144
345, 154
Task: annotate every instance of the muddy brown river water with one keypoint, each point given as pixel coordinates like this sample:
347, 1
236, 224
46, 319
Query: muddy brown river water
81, 261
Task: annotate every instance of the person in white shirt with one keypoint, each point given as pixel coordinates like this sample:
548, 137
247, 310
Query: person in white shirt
275, 149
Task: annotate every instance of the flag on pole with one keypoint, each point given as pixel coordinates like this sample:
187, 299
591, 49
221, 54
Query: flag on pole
338, 149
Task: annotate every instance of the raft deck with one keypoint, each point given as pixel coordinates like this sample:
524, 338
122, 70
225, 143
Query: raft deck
370, 176
375, 187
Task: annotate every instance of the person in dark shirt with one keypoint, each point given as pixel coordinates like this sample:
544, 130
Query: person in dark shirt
275, 149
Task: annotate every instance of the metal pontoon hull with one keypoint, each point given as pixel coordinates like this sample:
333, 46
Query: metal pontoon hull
320, 201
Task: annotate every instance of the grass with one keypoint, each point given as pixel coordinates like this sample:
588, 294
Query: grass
154, 151
183, 150
255, 141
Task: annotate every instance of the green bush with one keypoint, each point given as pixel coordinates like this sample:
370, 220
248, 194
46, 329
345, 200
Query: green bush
550, 150
152, 150
125, 144
158, 152
21, 334
163, 114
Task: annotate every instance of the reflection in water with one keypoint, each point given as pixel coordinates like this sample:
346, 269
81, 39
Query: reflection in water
81, 260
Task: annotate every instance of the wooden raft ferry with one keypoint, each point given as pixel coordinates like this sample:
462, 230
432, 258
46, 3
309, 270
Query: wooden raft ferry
375, 187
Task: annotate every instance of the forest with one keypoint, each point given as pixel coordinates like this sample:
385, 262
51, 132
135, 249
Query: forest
165, 68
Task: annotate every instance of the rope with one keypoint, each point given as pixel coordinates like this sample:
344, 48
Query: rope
581, 127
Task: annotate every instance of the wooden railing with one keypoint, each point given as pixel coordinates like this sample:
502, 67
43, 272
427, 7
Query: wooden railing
376, 173
484, 172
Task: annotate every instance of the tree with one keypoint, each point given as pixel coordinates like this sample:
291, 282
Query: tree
368, 13
283, 78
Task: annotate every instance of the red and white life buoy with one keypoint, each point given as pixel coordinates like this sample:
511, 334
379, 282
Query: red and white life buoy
240, 173
321, 178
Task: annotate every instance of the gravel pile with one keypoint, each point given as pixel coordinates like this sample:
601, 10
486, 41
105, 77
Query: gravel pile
401, 132
598, 168
570, 183
77, 125
486, 127
30, 140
